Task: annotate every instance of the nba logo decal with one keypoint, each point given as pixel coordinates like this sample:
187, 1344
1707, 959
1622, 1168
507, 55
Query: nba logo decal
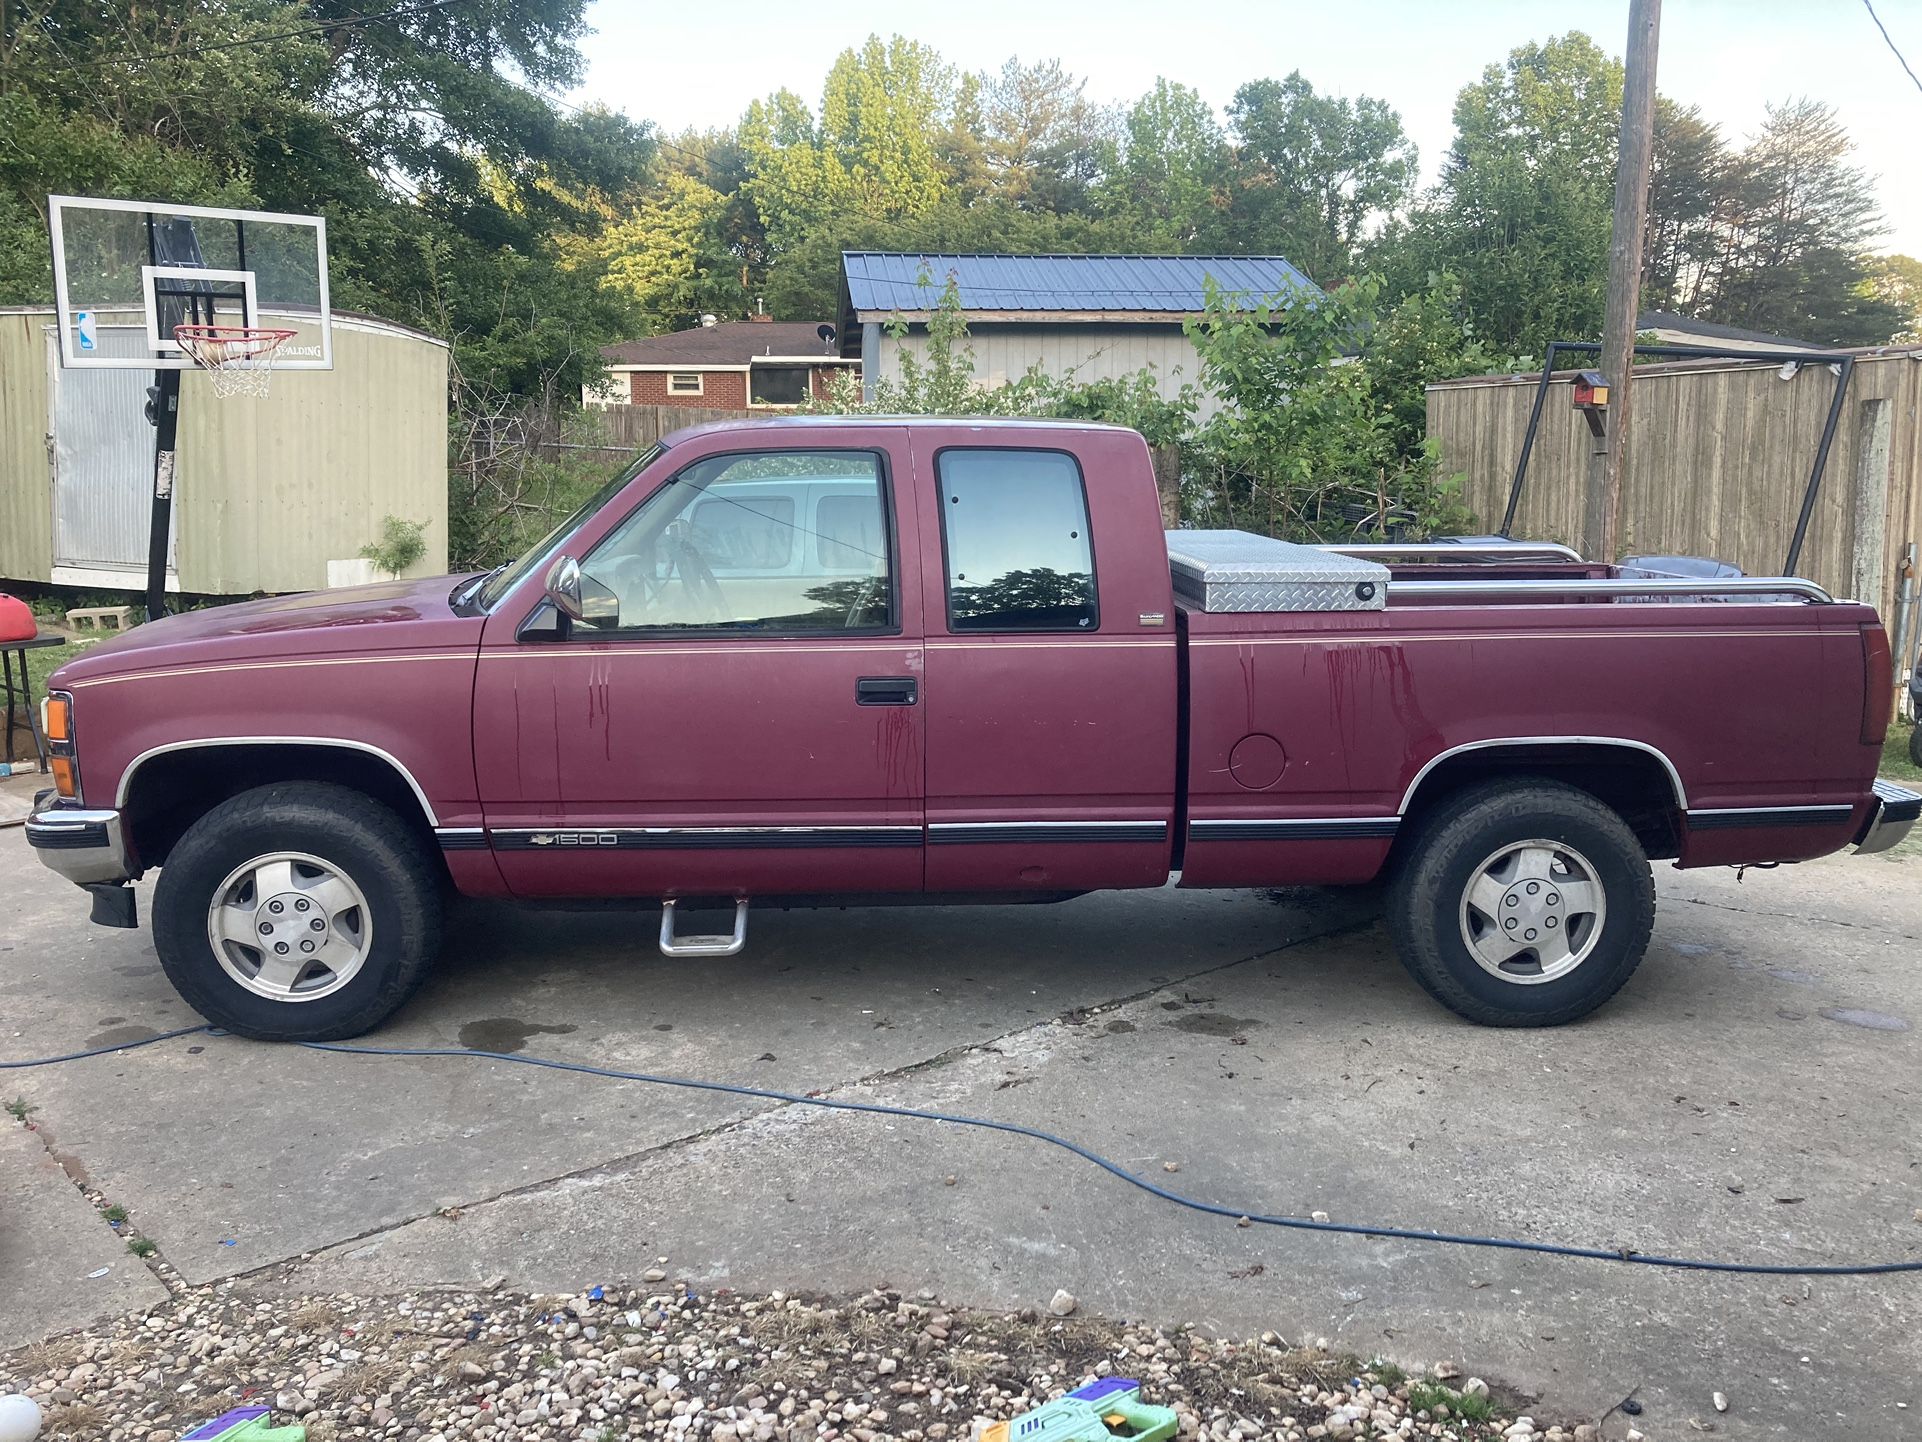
84, 330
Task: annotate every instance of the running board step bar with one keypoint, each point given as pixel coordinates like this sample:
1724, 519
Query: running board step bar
672, 945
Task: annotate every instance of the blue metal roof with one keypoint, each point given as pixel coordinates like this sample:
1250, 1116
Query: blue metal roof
886, 282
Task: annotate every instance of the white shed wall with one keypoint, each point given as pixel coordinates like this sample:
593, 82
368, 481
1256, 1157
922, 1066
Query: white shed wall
1091, 352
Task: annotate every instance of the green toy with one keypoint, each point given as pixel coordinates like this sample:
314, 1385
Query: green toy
245, 1424
1097, 1412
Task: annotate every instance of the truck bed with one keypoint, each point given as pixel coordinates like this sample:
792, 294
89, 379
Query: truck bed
1309, 730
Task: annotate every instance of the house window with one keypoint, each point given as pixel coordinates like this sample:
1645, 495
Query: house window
684, 383
1014, 525
778, 386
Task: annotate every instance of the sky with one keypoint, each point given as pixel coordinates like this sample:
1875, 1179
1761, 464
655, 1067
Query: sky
700, 64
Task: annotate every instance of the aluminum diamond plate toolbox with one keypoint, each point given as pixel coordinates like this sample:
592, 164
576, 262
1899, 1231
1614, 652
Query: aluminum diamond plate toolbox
1240, 571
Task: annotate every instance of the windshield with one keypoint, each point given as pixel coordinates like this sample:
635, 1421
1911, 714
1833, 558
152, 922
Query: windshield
542, 552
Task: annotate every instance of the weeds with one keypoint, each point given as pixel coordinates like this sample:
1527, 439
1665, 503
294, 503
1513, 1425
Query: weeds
141, 1247
115, 1213
1386, 1372
20, 1109
1431, 1396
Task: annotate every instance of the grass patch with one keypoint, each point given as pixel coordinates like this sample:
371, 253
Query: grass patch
20, 1109
1386, 1373
1896, 764
115, 1213
1430, 1396
141, 1247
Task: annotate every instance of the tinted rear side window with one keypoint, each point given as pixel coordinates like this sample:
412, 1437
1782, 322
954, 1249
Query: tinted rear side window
1015, 526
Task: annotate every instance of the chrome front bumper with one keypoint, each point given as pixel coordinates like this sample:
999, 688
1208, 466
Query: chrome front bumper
1895, 811
87, 847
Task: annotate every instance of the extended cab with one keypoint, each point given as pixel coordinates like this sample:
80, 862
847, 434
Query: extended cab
862, 660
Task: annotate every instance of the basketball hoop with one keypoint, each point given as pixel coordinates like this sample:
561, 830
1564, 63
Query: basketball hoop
238, 359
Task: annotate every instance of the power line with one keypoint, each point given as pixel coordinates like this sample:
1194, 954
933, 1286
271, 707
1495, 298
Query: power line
1869, 6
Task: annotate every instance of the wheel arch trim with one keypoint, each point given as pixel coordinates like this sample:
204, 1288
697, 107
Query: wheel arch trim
336, 742
1679, 792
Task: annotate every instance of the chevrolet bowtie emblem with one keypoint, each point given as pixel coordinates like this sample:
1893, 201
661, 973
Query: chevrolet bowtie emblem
542, 840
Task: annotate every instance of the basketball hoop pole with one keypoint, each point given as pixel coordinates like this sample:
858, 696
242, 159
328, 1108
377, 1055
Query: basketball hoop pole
166, 422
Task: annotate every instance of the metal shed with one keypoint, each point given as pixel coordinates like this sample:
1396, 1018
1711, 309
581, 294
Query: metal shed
1098, 316
268, 491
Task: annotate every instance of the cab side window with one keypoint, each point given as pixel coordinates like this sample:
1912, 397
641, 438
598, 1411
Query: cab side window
1014, 528
774, 541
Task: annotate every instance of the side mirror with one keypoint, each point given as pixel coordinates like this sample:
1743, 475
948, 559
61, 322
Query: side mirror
563, 587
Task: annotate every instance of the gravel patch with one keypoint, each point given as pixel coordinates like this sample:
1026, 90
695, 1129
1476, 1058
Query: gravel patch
666, 1361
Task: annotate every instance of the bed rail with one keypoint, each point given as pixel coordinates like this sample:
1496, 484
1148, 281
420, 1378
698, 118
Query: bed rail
1540, 590
1505, 551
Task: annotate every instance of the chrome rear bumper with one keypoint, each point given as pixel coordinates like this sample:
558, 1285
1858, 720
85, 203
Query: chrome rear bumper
1894, 812
87, 847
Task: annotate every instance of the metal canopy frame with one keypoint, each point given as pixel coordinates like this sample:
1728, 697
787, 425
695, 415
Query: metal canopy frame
1843, 359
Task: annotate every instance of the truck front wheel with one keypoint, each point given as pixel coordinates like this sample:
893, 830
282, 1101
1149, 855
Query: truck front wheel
1522, 904
297, 912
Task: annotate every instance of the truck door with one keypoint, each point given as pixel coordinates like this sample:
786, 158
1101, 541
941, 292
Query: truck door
1051, 660
742, 714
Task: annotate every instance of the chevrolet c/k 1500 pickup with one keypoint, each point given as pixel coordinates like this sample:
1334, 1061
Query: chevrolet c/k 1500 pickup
866, 660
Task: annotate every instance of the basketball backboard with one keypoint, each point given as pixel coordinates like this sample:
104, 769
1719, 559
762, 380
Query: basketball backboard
127, 272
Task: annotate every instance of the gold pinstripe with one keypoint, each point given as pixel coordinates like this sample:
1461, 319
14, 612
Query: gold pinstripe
1377, 638
274, 666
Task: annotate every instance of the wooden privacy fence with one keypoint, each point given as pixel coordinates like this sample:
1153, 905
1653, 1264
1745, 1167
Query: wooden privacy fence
1718, 458
635, 428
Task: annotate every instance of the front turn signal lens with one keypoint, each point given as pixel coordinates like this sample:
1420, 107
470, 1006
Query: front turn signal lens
59, 718
66, 780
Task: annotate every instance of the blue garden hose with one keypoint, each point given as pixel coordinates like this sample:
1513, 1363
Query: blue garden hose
1409, 1234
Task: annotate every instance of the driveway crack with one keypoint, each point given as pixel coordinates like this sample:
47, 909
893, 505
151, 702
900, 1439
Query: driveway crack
143, 1247
947, 1057
1798, 916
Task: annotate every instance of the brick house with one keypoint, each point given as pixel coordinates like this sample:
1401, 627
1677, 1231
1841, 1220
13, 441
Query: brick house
724, 365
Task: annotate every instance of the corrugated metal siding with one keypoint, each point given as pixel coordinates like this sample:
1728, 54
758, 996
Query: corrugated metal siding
103, 447
1090, 352
1717, 462
269, 490
26, 503
272, 489
883, 282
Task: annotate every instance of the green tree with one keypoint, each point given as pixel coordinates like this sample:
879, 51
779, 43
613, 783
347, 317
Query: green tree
1521, 215
1312, 172
870, 154
1163, 172
1683, 249
447, 181
1043, 139
1896, 280
1307, 444
1426, 336
671, 258
1802, 224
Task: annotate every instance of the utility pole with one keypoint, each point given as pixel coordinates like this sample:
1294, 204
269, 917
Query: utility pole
1602, 515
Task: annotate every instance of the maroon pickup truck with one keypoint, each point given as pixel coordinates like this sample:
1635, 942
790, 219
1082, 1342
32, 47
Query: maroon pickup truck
868, 660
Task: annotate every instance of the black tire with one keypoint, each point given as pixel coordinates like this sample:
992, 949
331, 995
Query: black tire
364, 842
1915, 743
1446, 854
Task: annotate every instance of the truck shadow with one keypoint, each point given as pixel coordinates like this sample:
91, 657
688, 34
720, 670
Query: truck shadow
967, 971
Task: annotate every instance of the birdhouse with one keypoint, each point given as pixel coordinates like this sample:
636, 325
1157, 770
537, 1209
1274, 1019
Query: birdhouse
1591, 391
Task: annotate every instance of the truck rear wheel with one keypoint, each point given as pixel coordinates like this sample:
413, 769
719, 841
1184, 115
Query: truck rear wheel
1522, 904
297, 912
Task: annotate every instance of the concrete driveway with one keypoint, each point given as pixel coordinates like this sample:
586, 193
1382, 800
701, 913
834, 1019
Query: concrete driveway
1753, 1094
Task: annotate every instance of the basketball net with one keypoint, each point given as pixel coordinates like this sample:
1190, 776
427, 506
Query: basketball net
239, 360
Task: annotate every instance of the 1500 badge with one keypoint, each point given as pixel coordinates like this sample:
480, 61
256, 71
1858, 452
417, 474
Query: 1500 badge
574, 838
